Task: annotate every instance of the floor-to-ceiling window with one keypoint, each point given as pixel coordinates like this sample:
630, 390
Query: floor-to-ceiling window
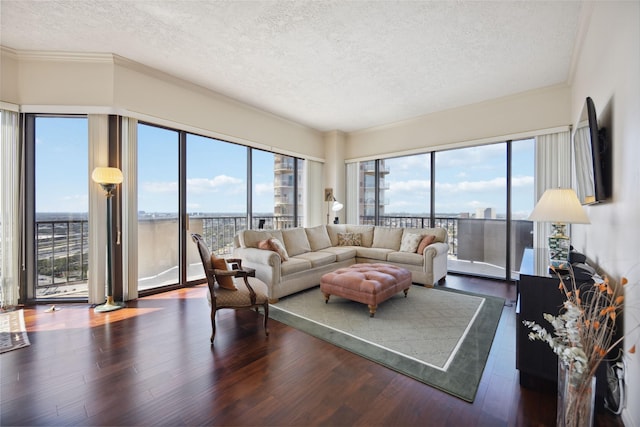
158, 207
216, 174
405, 191
475, 193
61, 185
471, 186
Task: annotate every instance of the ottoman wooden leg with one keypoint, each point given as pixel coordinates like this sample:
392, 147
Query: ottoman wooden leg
406, 291
372, 310
326, 298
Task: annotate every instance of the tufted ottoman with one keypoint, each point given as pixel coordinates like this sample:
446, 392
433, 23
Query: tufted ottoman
368, 284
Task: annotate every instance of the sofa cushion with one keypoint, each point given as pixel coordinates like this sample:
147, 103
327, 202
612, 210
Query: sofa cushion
318, 259
410, 242
296, 242
365, 230
333, 230
439, 232
318, 237
342, 253
387, 237
373, 253
294, 265
349, 239
426, 241
406, 258
251, 238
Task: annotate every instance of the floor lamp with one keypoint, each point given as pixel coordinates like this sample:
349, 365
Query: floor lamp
108, 178
559, 206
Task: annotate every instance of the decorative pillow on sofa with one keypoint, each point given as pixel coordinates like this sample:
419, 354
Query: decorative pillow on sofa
274, 245
349, 239
410, 242
225, 282
279, 247
426, 241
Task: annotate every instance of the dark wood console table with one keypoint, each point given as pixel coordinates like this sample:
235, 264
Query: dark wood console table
538, 293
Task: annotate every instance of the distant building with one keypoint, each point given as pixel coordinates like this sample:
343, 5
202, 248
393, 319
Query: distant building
367, 199
485, 213
284, 195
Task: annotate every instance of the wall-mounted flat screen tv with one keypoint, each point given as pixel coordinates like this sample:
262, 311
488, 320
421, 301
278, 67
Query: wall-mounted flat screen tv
591, 155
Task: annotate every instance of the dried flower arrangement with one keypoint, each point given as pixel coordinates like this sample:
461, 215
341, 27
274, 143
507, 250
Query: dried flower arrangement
584, 333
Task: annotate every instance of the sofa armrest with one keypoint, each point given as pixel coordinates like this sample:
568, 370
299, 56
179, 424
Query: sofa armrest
435, 249
257, 256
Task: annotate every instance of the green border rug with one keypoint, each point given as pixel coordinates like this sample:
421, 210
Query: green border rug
440, 337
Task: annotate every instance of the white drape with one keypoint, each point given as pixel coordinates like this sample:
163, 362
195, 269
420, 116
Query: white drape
10, 163
353, 194
552, 169
98, 156
313, 201
129, 237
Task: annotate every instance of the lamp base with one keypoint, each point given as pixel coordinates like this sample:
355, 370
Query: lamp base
110, 305
558, 247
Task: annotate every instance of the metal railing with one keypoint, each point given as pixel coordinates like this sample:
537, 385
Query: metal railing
62, 246
62, 249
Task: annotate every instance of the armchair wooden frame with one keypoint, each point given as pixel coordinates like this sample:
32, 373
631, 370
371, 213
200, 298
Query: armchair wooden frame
246, 297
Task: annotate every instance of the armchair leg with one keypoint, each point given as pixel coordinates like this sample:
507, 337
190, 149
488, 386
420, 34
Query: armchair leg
213, 325
266, 317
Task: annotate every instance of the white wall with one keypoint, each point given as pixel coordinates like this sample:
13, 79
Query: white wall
525, 112
84, 83
608, 70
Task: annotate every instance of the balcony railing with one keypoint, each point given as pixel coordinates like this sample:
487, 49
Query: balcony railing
62, 246
62, 255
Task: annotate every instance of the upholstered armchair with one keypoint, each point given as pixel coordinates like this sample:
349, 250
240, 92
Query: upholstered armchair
249, 293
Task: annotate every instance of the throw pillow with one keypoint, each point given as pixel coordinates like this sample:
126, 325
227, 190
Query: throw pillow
265, 245
279, 247
426, 241
225, 282
274, 245
349, 239
410, 242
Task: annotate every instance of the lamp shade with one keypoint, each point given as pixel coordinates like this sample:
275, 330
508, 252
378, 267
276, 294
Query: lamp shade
104, 175
559, 205
337, 206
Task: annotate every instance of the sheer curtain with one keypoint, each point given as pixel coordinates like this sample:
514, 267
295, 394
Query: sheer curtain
10, 164
353, 193
98, 156
313, 202
130, 208
553, 169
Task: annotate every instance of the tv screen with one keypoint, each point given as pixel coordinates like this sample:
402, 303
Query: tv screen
589, 157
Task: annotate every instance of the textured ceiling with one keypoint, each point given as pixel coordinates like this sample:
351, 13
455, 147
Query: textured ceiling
325, 64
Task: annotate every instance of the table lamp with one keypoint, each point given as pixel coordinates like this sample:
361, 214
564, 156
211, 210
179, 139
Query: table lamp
559, 206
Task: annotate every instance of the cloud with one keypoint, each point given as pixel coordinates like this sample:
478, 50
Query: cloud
409, 186
160, 187
264, 188
219, 183
498, 183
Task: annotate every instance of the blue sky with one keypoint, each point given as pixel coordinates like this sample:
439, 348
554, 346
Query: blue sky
466, 179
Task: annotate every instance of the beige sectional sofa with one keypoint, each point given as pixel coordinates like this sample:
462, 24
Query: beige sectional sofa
311, 252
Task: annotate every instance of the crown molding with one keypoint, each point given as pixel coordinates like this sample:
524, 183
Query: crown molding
35, 55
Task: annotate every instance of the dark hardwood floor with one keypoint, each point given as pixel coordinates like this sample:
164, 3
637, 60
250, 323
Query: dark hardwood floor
151, 364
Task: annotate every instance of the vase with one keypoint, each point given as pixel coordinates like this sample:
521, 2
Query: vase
576, 398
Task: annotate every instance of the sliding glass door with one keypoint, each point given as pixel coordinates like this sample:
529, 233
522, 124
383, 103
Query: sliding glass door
158, 207
60, 153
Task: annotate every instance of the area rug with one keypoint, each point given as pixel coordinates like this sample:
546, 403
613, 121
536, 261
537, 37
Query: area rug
440, 337
13, 333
